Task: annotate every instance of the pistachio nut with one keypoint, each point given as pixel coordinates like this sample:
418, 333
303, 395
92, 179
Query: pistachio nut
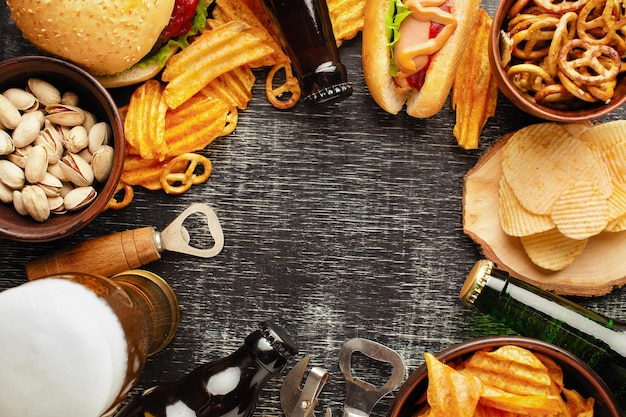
99, 135
77, 170
51, 140
36, 164
57, 205
65, 115
67, 187
6, 193
70, 98
10, 116
11, 175
90, 120
57, 172
80, 197
36, 203
45, 92
50, 185
28, 129
21, 99
86, 155
18, 156
6, 143
18, 203
76, 139
102, 162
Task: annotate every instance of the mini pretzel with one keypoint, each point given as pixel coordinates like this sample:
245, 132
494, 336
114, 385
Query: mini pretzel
290, 85
181, 170
557, 6
529, 77
588, 64
533, 43
231, 121
553, 94
603, 92
576, 90
128, 195
517, 8
565, 31
603, 27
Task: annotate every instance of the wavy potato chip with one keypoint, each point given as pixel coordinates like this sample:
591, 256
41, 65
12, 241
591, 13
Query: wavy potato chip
541, 161
604, 136
347, 18
581, 211
515, 219
144, 122
526, 374
214, 53
534, 405
552, 250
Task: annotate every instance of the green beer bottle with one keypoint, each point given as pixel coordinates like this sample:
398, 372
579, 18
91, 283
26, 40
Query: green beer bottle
533, 312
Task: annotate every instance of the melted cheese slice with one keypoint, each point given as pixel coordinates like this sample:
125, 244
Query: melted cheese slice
415, 44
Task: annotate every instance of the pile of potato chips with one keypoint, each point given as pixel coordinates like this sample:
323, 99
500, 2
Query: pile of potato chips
508, 381
202, 89
562, 185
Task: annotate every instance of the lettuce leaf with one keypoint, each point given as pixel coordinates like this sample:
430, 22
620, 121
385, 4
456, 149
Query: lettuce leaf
396, 13
199, 22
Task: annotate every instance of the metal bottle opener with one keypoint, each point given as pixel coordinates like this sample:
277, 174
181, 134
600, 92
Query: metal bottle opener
118, 252
361, 397
298, 402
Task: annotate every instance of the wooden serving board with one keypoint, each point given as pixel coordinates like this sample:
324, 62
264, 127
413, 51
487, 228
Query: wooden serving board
600, 269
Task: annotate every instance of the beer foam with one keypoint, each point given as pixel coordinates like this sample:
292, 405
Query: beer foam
63, 351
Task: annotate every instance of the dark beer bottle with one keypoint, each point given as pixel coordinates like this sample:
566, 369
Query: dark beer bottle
306, 33
228, 386
533, 312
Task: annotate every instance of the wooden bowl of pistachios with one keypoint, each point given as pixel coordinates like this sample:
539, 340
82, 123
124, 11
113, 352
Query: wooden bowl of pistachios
61, 148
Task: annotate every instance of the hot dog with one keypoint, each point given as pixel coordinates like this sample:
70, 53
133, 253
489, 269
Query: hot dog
411, 50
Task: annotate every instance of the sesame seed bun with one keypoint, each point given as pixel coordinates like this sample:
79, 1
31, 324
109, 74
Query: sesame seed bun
103, 36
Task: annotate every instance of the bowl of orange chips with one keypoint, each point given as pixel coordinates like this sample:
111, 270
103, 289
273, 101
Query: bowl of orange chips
503, 376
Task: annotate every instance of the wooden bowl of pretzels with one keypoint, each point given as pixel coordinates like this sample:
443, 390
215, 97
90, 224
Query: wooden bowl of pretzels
560, 60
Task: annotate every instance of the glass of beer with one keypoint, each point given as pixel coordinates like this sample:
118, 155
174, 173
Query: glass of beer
75, 344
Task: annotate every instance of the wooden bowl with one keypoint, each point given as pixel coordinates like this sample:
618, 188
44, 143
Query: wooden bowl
586, 276
588, 111
14, 72
577, 375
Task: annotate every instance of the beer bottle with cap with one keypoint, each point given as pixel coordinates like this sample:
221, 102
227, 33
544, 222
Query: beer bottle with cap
228, 386
306, 32
533, 312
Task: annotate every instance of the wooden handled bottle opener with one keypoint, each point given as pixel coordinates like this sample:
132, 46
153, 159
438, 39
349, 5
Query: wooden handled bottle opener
118, 252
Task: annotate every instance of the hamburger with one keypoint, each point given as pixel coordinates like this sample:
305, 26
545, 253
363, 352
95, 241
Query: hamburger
121, 42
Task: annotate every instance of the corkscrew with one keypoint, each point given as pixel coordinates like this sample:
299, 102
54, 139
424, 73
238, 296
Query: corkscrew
118, 252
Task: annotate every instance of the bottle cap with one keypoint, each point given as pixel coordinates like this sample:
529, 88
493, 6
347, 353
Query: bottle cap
279, 339
475, 281
327, 84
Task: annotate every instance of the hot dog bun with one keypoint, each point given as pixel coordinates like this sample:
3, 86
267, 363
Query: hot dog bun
376, 56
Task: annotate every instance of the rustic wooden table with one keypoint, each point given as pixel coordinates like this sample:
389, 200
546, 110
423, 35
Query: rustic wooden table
339, 223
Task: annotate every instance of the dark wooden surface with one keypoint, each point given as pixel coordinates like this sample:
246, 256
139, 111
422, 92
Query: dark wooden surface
339, 223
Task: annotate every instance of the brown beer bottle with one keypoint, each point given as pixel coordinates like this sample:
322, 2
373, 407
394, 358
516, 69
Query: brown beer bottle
228, 386
533, 312
306, 33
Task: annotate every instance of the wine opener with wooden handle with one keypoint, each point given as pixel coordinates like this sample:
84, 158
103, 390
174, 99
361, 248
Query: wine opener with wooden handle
118, 252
